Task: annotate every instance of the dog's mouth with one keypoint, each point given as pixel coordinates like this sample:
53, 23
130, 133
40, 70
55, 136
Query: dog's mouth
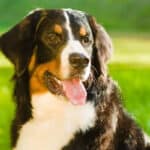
73, 88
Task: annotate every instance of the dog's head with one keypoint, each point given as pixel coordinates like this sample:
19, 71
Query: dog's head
58, 48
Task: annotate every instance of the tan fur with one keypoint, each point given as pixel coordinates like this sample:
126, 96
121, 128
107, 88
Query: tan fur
82, 31
36, 82
32, 63
58, 29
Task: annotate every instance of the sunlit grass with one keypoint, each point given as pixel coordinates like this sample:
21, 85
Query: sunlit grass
6, 107
4, 62
132, 49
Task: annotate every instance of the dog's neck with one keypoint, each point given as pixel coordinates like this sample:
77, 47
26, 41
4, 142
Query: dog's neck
57, 119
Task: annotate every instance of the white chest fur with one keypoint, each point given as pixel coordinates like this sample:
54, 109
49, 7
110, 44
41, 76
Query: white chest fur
54, 123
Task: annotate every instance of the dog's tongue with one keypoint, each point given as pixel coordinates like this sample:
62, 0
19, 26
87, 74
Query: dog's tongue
75, 91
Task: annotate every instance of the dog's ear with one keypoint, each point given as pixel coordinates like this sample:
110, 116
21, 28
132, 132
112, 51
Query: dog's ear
102, 48
18, 43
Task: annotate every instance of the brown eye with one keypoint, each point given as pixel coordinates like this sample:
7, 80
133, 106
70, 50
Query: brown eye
53, 38
85, 40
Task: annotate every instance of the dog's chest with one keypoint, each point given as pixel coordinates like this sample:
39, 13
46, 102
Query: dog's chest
54, 123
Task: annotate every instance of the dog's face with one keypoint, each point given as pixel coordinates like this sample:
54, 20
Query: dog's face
64, 42
58, 48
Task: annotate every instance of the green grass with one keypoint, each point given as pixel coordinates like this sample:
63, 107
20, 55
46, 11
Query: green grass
127, 15
126, 68
6, 106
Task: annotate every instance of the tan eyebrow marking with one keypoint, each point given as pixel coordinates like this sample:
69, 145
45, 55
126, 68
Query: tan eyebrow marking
58, 29
82, 31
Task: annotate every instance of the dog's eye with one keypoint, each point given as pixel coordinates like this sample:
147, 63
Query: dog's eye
85, 40
53, 38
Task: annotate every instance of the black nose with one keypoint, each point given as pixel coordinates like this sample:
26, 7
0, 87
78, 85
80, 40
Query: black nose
78, 60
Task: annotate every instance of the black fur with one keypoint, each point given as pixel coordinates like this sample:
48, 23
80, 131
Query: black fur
23, 105
21, 42
128, 135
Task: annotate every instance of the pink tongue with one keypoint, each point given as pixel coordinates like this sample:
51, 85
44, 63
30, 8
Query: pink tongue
75, 91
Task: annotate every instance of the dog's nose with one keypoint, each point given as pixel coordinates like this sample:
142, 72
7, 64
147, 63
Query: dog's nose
78, 60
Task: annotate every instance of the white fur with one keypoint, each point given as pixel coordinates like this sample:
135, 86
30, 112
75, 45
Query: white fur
114, 120
146, 139
73, 46
55, 121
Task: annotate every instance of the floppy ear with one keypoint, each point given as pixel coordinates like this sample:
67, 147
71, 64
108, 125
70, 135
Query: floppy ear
18, 43
102, 48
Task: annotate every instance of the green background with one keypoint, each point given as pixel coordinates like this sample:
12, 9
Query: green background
118, 15
128, 23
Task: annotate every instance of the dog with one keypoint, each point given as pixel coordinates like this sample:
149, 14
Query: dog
64, 98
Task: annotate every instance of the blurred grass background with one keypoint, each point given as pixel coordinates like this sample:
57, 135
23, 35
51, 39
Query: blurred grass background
128, 23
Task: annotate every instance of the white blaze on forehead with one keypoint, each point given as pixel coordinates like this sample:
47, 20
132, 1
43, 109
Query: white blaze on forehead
68, 27
72, 46
65, 54
73, 10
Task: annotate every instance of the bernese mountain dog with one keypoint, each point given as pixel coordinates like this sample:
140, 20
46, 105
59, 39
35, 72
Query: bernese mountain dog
64, 98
